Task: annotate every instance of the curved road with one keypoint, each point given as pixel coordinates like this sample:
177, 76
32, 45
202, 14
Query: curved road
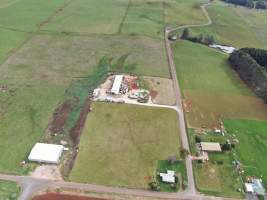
31, 185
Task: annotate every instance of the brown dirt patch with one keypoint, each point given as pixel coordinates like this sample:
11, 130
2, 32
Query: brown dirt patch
55, 196
60, 117
77, 129
161, 90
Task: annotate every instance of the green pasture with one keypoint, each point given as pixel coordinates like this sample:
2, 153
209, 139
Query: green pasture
184, 12
59, 59
231, 26
252, 147
121, 144
93, 16
27, 15
24, 112
9, 190
213, 89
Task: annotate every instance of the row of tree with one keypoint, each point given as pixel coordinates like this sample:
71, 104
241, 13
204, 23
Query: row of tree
251, 65
258, 4
203, 39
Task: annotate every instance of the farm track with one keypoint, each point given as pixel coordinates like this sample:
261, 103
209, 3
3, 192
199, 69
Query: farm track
31, 186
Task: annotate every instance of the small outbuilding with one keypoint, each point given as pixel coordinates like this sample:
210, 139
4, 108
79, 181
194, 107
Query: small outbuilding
46, 153
168, 177
117, 84
210, 146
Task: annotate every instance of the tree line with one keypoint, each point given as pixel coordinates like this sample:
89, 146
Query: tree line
251, 65
202, 39
258, 4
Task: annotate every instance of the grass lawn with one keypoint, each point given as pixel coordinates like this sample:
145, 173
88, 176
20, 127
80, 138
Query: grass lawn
121, 144
91, 16
212, 87
231, 26
180, 171
252, 148
9, 190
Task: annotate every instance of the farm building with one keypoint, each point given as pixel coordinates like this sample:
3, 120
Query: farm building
46, 153
255, 186
210, 146
117, 84
168, 177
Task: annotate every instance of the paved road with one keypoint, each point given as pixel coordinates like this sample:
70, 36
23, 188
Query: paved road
31, 185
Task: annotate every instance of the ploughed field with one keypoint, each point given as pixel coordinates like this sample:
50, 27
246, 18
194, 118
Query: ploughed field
121, 144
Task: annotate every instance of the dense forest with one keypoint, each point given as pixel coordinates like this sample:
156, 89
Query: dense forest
251, 65
258, 4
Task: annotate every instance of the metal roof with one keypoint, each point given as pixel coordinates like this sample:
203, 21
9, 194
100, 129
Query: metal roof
210, 146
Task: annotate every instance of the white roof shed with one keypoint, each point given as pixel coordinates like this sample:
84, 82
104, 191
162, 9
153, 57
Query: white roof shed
46, 153
116, 84
210, 146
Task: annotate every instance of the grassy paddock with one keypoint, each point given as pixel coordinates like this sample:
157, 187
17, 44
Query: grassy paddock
236, 26
27, 15
92, 16
9, 190
121, 144
60, 58
252, 147
212, 87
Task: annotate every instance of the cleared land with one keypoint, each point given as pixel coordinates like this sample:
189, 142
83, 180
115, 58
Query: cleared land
212, 88
252, 148
121, 144
236, 26
8, 190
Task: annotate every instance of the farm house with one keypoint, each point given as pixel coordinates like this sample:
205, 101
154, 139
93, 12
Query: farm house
46, 153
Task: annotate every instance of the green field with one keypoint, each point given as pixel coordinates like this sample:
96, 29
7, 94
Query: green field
212, 87
8, 190
97, 17
252, 148
121, 144
236, 26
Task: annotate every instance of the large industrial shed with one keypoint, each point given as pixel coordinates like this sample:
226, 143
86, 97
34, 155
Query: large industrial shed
46, 153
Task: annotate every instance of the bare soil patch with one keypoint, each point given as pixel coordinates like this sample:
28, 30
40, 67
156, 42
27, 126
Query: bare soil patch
60, 117
161, 90
47, 172
55, 196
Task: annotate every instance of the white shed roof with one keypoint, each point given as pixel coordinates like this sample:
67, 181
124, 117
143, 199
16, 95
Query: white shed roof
168, 178
248, 187
46, 153
117, 84
210, 146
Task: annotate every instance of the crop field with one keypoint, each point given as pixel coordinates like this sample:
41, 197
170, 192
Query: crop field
252, 148
8, 190
235, 26
121, 144
213, 88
